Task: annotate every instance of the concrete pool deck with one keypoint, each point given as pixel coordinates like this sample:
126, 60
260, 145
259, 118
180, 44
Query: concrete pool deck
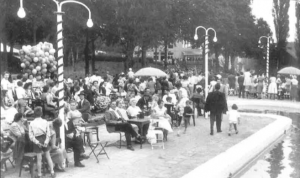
230, 162
181, 155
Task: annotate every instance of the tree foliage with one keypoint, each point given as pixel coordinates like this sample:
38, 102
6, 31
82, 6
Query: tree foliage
281, 22
297, 40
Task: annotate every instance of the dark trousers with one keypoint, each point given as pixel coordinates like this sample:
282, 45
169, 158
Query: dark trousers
241, 91
77, 144
199, 111
128, 130
215, 117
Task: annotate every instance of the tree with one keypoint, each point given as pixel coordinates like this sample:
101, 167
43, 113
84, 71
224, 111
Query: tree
297, 40
281, 21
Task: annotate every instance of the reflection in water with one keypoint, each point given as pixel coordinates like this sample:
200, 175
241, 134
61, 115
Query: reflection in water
284, 160
276, 155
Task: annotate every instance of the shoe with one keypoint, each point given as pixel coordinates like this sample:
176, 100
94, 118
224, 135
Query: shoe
229, 134
53, 175
84, 156
211, 133
130, 148
237, 132
219, 131
79, 164
56, 169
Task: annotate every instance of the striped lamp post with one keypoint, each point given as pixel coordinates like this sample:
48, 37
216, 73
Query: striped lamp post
206, 55
268, 52
60, 55
60, 61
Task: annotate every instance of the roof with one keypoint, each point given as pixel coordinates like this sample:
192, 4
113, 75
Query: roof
7, 48
192, 53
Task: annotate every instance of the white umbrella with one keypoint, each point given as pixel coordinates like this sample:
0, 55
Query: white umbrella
149, 71
290, 71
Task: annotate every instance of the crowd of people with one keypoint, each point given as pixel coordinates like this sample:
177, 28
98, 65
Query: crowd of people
251, 85
29, 107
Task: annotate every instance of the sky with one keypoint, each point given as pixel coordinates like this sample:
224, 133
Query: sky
263, 9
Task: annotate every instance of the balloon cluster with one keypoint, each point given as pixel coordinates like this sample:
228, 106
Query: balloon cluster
38, 60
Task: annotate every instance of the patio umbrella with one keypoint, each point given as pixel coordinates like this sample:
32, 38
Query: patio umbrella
290, 71
149, 71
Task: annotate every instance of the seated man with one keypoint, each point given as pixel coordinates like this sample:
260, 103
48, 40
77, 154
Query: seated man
113, 120
73, 140
84, 106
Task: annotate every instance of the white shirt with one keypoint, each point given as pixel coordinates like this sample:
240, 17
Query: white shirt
173, 96
133, 111
115, 111
183, 93
233, 116
5, 84
160, 111
294, 81
123, 113
20, 92
130, 74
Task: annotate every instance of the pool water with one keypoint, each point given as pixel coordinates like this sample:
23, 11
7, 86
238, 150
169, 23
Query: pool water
283, 161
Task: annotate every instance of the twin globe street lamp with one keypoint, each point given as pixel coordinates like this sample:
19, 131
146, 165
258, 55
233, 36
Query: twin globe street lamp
206, 52
269, 40
21, 13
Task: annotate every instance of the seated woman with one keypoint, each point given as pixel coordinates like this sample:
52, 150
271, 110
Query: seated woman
161, 117
28, 91
49, 105
120, 109
133, 110
8, 110
57, 154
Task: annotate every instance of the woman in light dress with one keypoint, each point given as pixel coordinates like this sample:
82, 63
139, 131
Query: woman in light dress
272, 90
161, 117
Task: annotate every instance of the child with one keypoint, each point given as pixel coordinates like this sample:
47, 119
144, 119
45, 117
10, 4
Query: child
39, 134
187, 113
234, 118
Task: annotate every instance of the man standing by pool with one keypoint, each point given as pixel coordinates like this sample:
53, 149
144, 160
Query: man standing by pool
216, 103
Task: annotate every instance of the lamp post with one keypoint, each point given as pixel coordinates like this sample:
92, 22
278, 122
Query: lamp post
206, 54
60, 55
268, 52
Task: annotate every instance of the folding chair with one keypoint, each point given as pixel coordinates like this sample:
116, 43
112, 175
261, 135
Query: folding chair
94, 145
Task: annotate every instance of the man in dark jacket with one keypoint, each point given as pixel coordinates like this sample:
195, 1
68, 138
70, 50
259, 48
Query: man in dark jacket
84, 106
216, 103
241, 85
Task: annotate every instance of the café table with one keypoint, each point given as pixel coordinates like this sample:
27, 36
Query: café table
140, 123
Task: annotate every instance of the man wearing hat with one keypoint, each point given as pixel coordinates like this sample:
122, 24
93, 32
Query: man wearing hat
143, 102
84, 106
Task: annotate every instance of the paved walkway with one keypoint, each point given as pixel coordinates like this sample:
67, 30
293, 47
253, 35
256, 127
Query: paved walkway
181, 154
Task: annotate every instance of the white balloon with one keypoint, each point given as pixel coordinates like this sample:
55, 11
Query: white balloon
34, 71
52, 51
46, 54
23, 65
